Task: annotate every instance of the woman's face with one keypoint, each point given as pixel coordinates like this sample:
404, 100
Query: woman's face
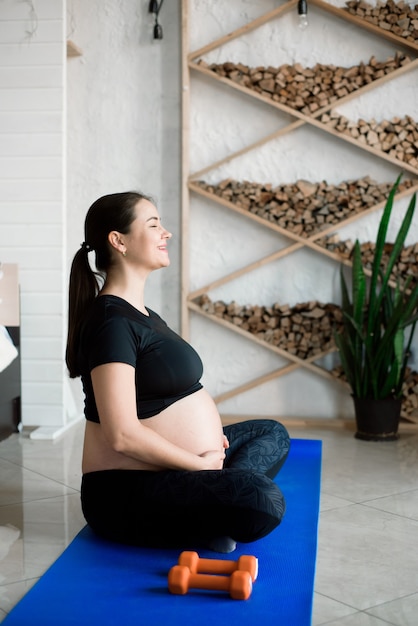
146, 243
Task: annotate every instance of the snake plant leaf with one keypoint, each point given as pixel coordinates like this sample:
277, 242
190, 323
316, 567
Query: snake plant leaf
380, 242
395, 322
347, 359
398, 246
359, 285
346, 304
400, 238
372, 346
390, 385
354, 354
391, 366
359, 299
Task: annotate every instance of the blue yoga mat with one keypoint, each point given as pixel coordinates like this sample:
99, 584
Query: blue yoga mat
98, 582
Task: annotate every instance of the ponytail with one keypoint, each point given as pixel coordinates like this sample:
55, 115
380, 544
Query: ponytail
112, 212
84, 287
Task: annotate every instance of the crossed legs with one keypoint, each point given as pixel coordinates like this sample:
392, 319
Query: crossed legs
179, 508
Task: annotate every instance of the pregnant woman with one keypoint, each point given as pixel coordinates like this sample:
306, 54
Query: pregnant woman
158, 468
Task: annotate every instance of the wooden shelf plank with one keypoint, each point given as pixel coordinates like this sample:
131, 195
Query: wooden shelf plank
247, 28
73, 50
244, 270
256, 382
257, 144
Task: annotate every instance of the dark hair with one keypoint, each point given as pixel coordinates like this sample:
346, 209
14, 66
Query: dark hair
112, 212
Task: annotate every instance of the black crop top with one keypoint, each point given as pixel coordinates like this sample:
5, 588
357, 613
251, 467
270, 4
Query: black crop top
167, 368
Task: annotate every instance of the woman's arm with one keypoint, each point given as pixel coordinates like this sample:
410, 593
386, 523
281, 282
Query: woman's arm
115, 395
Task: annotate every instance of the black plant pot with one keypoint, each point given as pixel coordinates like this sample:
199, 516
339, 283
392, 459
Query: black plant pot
377, 419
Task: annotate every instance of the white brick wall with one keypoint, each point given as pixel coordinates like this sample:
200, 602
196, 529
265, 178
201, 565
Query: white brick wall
123, 132
32, 196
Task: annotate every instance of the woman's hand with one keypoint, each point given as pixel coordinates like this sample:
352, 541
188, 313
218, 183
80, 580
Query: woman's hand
214, 459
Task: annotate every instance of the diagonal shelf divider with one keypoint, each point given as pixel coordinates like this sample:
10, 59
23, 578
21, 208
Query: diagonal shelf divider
300, 242
273, 375
257, 144
275, 256
256, 382
308, 119
243, 30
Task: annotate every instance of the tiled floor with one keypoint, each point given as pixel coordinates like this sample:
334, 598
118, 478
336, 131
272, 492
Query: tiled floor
367, 568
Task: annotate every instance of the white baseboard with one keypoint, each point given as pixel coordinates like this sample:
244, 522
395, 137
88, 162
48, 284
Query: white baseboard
49, 433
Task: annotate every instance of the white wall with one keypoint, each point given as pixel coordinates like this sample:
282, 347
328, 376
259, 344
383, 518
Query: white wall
122, 131
124, 122
112, 125
222, 121
124, 119
32, 216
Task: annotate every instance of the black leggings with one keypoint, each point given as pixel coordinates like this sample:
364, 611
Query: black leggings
181, 508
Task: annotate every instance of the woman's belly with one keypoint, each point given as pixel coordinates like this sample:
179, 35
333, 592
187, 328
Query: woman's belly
192, 423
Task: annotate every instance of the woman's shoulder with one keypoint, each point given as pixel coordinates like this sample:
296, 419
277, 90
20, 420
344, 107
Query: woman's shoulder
110, 314
108, 306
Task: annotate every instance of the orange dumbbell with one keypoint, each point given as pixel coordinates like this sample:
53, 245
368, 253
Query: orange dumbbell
181, 579
197, 565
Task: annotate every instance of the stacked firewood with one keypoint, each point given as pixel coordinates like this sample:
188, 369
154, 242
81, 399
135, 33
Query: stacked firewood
398, 18
410, 393
405, 267
397, 137
304, 330
303, 208
409, 389
307, 89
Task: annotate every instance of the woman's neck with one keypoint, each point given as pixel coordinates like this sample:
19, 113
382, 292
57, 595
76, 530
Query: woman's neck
131, 291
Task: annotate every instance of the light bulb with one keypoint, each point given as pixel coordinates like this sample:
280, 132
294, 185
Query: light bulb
303, 14
303, 21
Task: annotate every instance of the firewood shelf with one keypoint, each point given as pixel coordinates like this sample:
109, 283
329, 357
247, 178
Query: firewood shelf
316, 111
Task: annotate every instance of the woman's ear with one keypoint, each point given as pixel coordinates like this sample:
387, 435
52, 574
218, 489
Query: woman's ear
116, 241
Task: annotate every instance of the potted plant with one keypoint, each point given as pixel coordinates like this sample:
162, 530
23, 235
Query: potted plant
376, 334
